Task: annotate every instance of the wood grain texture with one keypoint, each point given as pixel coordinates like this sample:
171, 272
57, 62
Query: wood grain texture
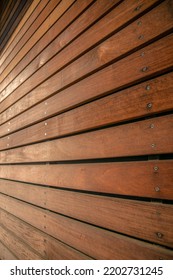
104, 177
28, 13
107, 23
109, 212
80, 235
38, 55
40, 5
101, 55
47, 246
16, 246
5, 253
56, 13
104, 143
85, 20
104, 53
121, 106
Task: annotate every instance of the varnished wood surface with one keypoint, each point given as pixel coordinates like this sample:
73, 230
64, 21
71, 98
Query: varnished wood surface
80, 235
86, 134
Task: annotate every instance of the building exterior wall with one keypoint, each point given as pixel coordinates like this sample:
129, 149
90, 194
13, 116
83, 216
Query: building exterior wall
86, 131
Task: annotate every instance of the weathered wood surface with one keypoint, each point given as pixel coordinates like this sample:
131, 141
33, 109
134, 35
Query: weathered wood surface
47, 246
16, 246
6, 254
143, 180
82, 236
131, 33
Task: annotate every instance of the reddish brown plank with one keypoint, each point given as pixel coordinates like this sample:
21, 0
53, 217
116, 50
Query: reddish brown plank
108, 23
80, 235
49, 21
16, 246
104, 53
109, 110
142, 179
23, 32
150, 137
45, 245
5, 254
21, 24
79, 25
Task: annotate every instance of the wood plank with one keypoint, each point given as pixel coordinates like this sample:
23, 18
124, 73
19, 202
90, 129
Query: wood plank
83, 236
27, 118
39, 7
108, 79
18, 28
102, 54
5, 253
150, 137
56, 13
108, 24
48, 8
101, 112
16, 246
109, 212
47, 246
142, 179
98, 9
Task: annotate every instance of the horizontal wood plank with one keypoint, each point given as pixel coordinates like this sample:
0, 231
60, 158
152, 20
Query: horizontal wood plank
94, 35
102, 54
16, 246
45, 8
82, 236
143, 180
47, 246
49, 21
157, 92
150, 137
5, 253
111, 213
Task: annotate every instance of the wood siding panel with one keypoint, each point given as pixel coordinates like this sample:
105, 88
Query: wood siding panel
86, 131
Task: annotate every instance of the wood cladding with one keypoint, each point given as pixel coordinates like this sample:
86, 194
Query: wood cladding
86, 131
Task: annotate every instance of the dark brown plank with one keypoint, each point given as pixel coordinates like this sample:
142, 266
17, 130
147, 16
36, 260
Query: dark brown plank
104, 53
142, 179
107, 245
108, 23
45, 245
16, 246
109, 110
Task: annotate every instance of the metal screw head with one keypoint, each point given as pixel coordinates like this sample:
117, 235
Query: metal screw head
45, 134
148, 87
45, 113
45, 123
152, 125
139, 23
156, 168
144, 69
8, 129
149, 105
153, 145
159, 235
137, 8
141, 37
157, 189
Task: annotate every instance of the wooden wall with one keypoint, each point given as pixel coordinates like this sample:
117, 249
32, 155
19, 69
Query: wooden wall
86, 131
